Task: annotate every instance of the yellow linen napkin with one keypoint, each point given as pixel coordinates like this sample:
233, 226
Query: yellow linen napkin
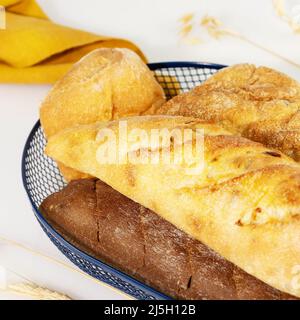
35, 50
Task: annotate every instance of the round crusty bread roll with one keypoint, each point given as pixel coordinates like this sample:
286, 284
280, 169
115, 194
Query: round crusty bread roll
104, 85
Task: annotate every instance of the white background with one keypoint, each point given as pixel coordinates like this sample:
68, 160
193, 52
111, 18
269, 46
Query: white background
153, 25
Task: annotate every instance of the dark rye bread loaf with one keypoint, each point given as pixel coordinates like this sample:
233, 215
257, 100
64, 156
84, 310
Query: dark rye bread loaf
121, 232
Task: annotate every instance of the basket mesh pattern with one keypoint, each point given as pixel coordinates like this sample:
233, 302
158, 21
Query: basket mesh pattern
42, 178
175, 80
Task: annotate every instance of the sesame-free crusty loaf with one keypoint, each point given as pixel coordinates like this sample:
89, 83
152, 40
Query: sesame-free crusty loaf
256, 102
106, 84
123, 233
244, 204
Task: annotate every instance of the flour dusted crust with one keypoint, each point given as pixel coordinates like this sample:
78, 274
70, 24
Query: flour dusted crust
104, 85
245, 204
256, 102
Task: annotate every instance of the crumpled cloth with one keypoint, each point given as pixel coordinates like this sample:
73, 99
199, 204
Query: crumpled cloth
35, 50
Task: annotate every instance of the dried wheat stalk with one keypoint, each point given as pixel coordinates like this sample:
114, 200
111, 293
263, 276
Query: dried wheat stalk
187, 18
185, 30
279, 6
62, 264
35, 292
187, 25
215, 29
28, 288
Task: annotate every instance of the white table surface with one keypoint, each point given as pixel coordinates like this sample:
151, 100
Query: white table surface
153, 25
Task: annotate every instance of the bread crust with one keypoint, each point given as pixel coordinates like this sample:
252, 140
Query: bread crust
244, 204
106, 84
110, 226
258, 103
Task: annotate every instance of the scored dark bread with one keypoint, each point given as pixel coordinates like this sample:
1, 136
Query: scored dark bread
123, 233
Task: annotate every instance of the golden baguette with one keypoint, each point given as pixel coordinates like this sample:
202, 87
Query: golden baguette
244, 204
104, 85
258, 103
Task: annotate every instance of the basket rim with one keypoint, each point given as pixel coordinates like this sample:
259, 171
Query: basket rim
123, 276
185, 64
38, 214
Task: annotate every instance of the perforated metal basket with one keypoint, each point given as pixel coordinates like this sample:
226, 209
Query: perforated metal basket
41, 178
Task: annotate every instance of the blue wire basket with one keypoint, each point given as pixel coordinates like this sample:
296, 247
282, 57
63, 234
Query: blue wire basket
41, 178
